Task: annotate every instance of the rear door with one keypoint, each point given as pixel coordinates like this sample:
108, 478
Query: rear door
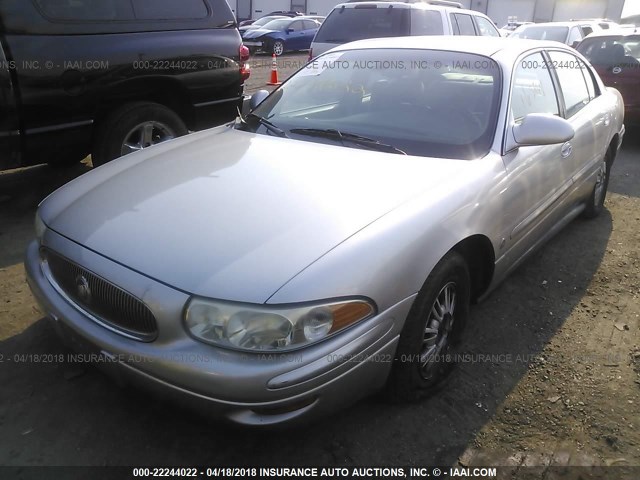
310, 29
586, 112
9, 124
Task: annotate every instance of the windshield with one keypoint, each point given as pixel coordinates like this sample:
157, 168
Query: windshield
279, 24
421, 102
555, 33
349, 24
263, 21
612, 51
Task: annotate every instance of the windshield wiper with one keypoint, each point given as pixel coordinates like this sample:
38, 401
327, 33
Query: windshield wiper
263, 121
349, 137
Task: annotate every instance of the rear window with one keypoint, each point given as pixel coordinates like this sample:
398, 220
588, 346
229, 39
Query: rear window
555, 33
612, 51
168, 9
349, 24
121, 10
86, 10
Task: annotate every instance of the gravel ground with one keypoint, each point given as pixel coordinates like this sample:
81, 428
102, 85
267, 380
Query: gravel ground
551, 373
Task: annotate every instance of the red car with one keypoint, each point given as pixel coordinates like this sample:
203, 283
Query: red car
615, 55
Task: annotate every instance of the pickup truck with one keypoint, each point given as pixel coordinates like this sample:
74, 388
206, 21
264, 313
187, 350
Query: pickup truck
80, 77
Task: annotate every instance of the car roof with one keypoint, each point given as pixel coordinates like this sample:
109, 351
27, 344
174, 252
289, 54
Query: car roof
487, 46
616, 32
559, 24
401, 4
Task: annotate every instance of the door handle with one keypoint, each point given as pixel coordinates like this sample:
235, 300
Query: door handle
566, 150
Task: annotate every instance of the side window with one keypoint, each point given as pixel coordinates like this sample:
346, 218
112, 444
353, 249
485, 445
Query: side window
309, 25
572, 83
85, 10
426, 22
454, 24
592, 87
532, 90
586, 30
574, 36
486, 28
296, 26
168, 9
465, 24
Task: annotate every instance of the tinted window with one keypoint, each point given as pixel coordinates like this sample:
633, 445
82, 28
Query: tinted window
465, 24
168, 9
533, 90
426, 22
86, 10
586, 30
612, 51
349, 24
486, 28
572, 82
387, 95
550, 32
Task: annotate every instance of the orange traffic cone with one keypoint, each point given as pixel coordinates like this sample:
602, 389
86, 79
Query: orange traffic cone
274, 72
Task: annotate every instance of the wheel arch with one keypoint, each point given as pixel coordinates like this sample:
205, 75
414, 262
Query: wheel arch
165, 91
478, 253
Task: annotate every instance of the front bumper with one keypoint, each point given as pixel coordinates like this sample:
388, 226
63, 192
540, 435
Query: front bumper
244, 388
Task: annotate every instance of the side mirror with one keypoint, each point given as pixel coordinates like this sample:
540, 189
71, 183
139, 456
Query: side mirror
542, 129
575, 44
289, 30
257, 98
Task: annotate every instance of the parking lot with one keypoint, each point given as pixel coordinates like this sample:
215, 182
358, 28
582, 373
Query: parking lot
550, 368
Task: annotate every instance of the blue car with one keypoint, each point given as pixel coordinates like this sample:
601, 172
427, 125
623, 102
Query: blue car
281, 35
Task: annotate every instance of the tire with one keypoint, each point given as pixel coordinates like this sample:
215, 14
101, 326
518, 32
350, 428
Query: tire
595, 203
412, 377
133, 127
278, 47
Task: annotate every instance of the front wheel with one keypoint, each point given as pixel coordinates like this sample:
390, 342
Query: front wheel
278, 47
434, 324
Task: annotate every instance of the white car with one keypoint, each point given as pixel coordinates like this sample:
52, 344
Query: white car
351, 21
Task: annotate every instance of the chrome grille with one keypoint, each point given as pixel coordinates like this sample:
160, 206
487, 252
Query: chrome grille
102, 299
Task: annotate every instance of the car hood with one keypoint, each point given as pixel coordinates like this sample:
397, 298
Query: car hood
257, 32
235, 215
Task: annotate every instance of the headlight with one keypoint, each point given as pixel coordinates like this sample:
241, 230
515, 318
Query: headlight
40, 227
257, 327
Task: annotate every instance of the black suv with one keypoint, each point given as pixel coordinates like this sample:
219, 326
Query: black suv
110, 77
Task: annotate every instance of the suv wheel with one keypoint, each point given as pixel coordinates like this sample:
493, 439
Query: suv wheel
133, 127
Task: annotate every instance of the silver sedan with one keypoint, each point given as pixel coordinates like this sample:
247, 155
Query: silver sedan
328, 243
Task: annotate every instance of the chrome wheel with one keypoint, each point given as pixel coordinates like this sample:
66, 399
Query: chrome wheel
437, 332
601, 185
278, 48
145, 135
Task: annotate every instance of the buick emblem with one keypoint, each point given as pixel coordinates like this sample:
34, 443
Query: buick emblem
82, 289
617, 70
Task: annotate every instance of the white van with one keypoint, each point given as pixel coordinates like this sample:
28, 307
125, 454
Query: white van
358, 20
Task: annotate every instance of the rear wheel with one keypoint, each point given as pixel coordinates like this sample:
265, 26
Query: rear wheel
595, 203
133, 127
434, 324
